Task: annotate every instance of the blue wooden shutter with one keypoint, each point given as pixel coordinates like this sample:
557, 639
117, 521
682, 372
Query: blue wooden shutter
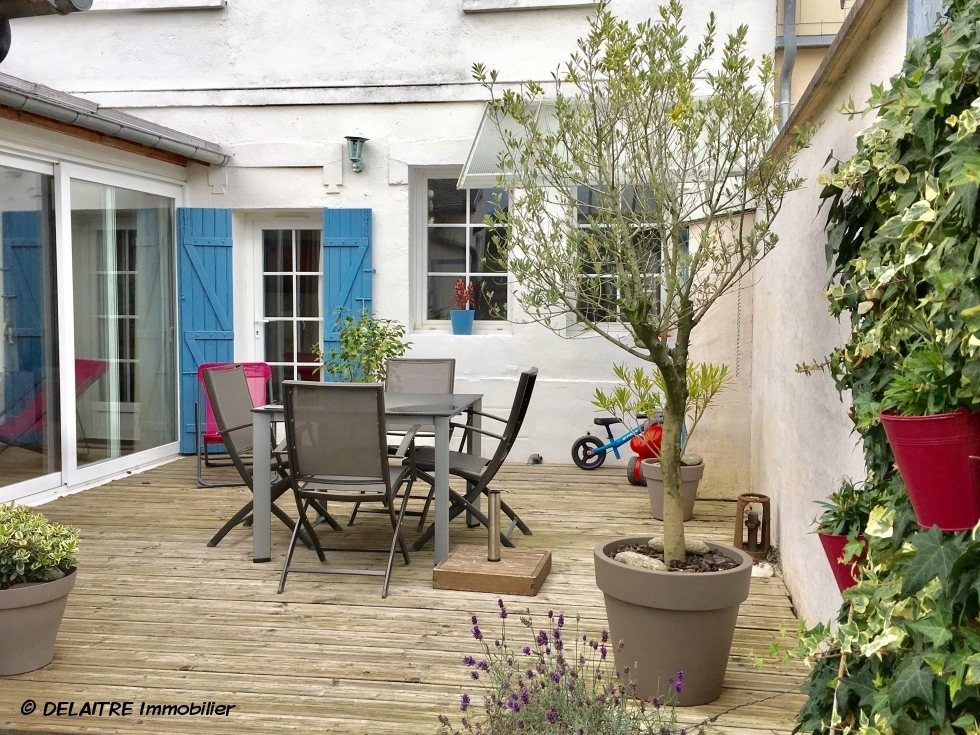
204, 274
347, 269
23, 311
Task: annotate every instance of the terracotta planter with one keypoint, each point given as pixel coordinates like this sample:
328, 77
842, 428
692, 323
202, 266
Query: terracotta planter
672, 621
833, 546
933, 453
654, 476
30, 615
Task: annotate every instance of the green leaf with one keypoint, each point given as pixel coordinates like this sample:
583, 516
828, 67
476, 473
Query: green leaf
933, 558
912, 682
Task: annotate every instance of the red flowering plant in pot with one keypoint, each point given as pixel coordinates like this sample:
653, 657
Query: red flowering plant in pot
840, 528
935, 438
465, 298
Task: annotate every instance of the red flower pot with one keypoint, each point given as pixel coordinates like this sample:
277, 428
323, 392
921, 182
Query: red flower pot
833, 547
933, 454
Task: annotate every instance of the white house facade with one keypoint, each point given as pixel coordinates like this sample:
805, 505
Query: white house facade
270, 225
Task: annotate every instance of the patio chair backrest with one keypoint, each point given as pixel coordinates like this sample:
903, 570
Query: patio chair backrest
232, 403
258, 375
518, 410
411, 375
336, 431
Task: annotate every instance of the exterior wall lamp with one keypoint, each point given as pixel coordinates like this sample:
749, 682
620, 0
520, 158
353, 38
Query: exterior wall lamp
355, 150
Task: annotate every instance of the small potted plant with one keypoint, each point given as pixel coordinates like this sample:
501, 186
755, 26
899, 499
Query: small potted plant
643, 394
464, 294
935, 439
365, 344
839, 528
37, 571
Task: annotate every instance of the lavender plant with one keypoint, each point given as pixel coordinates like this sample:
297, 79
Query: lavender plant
559, 682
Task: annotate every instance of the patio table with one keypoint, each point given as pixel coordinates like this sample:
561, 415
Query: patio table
426, 409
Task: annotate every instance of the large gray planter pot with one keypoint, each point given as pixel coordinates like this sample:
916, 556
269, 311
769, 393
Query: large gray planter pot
690, 477
672, 621
30, 615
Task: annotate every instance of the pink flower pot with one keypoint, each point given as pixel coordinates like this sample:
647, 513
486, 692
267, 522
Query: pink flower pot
939, 459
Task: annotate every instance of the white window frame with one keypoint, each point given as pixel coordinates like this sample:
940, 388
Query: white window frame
255, 297
419, 281
71, 473
108, 6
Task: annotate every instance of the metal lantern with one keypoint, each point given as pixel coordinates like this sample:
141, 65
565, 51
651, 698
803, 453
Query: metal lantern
355, 150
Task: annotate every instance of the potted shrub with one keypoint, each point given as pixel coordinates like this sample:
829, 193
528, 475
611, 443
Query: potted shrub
634, 181
464, 294
641, 394
37, 571
935, 440
840, 529
365, 344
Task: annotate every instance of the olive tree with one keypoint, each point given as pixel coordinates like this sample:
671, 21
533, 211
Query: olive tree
642, 190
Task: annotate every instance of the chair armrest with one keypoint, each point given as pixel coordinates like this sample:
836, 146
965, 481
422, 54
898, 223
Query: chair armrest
467, 427
407, 441
488, 415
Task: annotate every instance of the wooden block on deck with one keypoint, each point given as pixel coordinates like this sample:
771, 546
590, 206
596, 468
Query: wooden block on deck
519, 571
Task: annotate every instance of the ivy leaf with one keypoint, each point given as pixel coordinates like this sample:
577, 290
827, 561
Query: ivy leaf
934, 558
880, 523
933, 629
912, 682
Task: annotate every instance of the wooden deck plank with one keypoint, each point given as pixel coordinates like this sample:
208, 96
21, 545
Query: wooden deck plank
157, 616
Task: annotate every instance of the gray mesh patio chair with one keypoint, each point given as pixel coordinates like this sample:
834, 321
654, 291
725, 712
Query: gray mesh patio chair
231, 402
336, 442
412, 375
480, 471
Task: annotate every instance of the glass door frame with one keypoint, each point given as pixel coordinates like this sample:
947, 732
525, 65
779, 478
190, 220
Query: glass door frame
71, 473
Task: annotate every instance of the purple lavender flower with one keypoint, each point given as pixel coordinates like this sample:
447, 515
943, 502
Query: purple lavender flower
483, 666
510, 661
561, 620
500, 603
552, 716
475, 674
542, 638
525, 696
473, 620
581, 731
678, 685
526, 650
680, 676
605, 635
464, 702
556, 677
551, 614
477, 633
469, 661
603, 651
520, 724
529, 674
656, 703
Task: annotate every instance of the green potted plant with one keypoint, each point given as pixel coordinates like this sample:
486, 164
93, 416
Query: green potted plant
464, 295
37, 571
365, 344
637, 183
643, 394
935, 438
840, 528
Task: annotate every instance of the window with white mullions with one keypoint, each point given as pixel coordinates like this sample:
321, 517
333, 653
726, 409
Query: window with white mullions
292, 282
459, 245
599, 294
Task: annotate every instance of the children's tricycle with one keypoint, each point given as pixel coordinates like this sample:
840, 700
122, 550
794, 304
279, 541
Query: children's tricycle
589, 452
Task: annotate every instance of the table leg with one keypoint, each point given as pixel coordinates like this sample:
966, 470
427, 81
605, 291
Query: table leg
474, 446
261, 488
442, 488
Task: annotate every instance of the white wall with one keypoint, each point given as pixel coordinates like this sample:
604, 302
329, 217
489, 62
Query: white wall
801, 436
280, 88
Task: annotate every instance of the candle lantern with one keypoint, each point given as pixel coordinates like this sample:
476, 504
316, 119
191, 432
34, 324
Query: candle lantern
751, 533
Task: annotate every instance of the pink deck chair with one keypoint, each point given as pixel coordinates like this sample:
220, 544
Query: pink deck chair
258, 375
23, 429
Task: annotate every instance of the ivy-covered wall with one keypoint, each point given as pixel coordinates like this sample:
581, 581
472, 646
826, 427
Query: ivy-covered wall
802, 440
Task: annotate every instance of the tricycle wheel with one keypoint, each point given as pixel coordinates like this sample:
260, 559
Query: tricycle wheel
633, 473
584, 454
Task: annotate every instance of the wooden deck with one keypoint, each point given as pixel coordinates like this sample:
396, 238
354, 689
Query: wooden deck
158, 617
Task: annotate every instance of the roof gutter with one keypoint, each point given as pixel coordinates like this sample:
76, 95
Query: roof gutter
49, 103
789, 61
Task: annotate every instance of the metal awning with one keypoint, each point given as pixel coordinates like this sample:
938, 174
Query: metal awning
482, 163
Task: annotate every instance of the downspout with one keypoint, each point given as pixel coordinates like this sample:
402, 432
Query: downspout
789, 61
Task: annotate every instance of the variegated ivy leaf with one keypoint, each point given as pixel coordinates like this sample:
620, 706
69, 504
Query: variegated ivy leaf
889, 636
880, 523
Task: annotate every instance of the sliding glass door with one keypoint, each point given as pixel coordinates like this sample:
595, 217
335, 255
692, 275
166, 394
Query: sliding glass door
122, 254
30, 425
